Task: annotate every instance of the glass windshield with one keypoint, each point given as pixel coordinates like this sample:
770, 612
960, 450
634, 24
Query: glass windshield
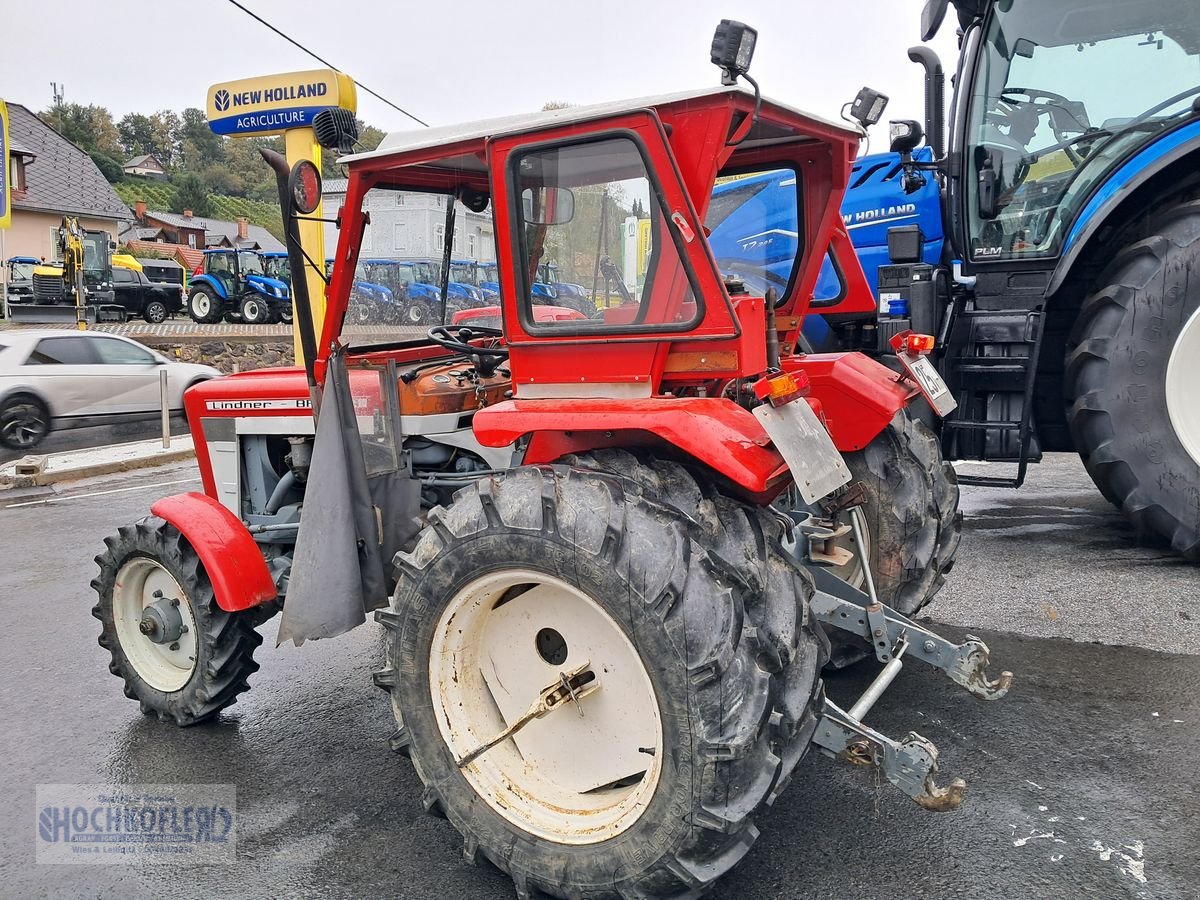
1061, 96
465, 273
95, 248
250, 262
580, 204
21, 271
277, 267
754, 229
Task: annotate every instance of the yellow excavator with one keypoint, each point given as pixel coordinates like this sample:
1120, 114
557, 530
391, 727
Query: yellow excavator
84, 276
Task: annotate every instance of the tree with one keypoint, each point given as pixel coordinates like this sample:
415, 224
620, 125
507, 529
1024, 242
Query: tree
110, 168
638, 210
191, 193
199, 145
164, 126
136, 133
90, 128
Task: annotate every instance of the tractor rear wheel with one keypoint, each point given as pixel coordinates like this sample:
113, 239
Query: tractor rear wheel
669, 619
181, 656
1132, 379
203, 306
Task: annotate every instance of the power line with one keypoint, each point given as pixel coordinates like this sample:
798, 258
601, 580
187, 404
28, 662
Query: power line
324, 62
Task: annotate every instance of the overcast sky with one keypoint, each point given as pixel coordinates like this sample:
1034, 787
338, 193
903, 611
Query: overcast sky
465, 59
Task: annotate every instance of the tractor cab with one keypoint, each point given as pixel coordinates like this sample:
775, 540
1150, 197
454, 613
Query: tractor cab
18, 277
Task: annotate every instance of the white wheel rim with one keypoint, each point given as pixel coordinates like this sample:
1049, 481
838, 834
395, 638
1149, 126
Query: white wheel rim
158, 665
200, 303
252, 309
562, 777
1183, 385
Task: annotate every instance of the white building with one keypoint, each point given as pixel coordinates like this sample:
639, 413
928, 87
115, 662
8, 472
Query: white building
411, 224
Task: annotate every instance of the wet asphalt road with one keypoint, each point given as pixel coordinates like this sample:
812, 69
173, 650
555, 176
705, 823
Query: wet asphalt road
1082, 782
99, 436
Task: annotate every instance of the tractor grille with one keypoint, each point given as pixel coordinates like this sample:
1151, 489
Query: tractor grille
48, 287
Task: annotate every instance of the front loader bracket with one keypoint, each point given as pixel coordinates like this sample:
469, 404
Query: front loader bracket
909, 764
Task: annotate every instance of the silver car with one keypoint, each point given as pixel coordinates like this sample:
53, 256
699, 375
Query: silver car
64, 379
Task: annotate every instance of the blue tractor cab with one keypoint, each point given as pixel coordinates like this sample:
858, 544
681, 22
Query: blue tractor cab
19, 278
461, 292
234, 284
543, 291
416, 301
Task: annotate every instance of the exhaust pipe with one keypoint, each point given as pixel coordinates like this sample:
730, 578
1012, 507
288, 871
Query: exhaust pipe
935, 98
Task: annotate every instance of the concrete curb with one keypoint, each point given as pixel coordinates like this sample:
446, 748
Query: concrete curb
52, 468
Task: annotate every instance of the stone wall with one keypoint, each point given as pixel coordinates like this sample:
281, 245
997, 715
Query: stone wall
229, 354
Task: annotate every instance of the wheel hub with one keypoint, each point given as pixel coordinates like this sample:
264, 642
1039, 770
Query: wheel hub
547, 707
155, 623
1183, 378
161, 621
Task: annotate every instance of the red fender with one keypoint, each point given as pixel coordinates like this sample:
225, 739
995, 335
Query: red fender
230, 556
858, 395
712, 430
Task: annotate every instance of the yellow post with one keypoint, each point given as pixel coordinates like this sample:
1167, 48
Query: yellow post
298, 144
286, 104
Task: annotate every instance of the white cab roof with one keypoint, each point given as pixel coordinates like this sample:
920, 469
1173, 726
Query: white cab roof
443, 135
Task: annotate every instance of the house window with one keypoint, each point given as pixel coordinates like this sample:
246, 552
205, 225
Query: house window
401, 236
439, 237
472, 244
192, 240
399, 198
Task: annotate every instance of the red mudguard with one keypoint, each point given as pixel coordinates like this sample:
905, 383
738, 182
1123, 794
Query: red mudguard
854, 395
231, 558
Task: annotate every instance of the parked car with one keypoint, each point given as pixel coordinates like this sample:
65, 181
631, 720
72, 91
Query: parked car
52, 380
142, 297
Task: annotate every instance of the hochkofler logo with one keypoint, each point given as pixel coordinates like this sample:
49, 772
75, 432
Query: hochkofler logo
221, 100
106, 823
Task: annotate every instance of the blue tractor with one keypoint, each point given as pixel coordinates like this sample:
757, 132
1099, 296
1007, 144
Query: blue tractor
415, 301
461, 290
233, 284
1053, 247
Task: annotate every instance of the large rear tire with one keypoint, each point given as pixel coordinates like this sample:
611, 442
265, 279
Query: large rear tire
1133, 380
694, 622
181, 656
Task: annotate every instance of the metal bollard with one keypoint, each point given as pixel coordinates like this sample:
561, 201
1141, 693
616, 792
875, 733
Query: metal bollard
165, 403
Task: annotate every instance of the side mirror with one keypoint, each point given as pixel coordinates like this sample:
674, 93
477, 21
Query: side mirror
547, 206
931, 18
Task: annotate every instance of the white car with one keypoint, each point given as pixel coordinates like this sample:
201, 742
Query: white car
66, 379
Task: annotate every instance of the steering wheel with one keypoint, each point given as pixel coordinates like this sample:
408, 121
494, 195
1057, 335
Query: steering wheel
458, 338
1057, 101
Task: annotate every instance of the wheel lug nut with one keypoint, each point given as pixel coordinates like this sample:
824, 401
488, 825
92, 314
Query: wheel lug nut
157, 595
174, 646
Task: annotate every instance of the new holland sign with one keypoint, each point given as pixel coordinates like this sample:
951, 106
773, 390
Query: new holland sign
5, 191
275, 103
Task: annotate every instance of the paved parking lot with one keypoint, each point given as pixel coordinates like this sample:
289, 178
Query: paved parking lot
1081, 783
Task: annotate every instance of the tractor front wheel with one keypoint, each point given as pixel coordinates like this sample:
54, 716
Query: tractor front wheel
181, 656
601, 677
254, 310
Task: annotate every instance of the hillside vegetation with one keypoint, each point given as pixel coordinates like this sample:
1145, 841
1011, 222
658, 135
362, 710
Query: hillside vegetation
161, 195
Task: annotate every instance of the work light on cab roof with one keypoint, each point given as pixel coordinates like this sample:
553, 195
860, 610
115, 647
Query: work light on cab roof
732, 49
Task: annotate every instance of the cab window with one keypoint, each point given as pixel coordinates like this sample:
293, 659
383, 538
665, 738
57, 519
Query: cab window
753, 222
593, 209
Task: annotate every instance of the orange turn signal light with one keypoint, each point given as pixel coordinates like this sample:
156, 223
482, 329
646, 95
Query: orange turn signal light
911, 342
782, 388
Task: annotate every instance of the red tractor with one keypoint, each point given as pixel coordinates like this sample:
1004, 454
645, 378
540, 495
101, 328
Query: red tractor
608, 553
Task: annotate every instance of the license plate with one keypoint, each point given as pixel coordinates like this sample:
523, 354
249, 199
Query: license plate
805, 445
921, 370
